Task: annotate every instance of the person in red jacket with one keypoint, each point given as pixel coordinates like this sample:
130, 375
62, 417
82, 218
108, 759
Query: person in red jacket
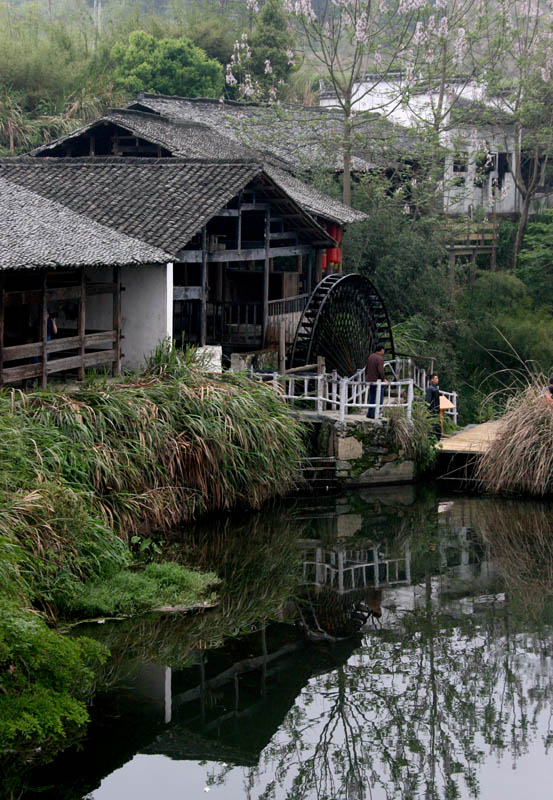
374, 372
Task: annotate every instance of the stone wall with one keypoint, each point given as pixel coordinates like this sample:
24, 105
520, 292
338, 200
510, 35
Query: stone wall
364, 457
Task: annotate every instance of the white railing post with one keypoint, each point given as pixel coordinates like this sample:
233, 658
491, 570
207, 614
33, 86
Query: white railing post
319, 395
334, 389
410, 395
378, 399
343, 398
454, 399
275, 381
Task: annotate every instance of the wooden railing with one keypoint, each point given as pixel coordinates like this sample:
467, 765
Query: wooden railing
288, 305
471, 236
69, 353
234, 322
285, 312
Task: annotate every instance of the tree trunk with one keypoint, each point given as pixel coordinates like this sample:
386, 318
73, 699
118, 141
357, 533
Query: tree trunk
521, 227
347, 156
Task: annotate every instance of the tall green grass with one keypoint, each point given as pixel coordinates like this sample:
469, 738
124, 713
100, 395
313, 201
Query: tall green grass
82, 472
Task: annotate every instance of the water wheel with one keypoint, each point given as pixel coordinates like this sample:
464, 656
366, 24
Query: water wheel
343, 320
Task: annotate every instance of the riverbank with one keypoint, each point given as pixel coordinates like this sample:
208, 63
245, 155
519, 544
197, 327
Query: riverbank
86, 476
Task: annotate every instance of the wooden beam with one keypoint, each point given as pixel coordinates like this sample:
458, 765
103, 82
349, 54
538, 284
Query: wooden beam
266, 270
44, 330
82, 322
254, 254
1, 329
203, 318
239, 234
116, 322
309, 277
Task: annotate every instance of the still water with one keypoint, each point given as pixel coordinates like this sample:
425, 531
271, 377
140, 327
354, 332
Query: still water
382, 644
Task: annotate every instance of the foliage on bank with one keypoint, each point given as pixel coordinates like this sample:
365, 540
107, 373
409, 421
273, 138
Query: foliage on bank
520, 458
83, 475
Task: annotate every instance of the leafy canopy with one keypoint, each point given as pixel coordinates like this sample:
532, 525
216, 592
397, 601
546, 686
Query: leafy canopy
167, 66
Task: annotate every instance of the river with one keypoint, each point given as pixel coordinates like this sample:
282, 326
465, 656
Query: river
392, 643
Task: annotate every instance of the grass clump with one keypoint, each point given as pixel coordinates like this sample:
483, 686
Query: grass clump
85, 473
415, 436
520, 458
157, 585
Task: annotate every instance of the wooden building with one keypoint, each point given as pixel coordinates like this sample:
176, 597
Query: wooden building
255, 239
61, 277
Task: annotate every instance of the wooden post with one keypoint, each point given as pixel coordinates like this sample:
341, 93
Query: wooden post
321, 365
309, 281
452, 269
44, 329
266, 268
203, 316
1, 329
82, 322
116, 369
319, 266
239, 232
282, 347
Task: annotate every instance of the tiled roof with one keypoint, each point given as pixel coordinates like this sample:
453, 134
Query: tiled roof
38, 232
303, 137
160, 201
194, 140
184, 138
163, 202
312, 200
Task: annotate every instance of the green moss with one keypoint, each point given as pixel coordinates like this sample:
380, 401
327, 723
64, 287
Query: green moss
165, 584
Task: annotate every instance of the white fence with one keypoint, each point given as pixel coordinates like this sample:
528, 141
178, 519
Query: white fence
327, 392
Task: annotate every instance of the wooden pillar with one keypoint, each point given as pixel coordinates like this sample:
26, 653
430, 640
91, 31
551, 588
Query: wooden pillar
266, 269
452, 269
319, 266
219, 291
239, 233
282, 347
116, 369
44, 329
82, 322
309, 276
203, 313
1, 329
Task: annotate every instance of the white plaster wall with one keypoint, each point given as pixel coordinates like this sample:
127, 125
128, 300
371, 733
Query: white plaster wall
146, 311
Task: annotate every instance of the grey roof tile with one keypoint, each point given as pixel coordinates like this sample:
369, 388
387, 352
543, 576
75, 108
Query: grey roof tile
163, 202
38, 232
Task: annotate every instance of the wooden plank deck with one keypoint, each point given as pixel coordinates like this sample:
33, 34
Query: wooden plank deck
475, 439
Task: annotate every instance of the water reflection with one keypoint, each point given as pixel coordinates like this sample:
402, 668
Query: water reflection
382, 645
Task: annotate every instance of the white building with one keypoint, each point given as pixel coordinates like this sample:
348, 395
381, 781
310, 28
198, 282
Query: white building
477, 136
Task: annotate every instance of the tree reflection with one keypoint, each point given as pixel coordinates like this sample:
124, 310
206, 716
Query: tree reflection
416, 710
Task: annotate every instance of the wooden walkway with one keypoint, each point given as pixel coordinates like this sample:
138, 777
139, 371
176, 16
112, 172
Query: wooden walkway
475, 439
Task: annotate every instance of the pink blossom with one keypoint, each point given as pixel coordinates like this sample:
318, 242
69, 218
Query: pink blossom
361, 28
252, 5
460, 46
407, 6
230, 80
268, 67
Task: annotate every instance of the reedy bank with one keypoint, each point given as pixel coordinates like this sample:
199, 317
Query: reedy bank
83, 474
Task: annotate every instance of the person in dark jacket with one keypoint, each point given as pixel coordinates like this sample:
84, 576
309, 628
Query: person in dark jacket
374, 372
433, 402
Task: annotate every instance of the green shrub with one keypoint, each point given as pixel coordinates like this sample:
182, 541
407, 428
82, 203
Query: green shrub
166, 584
